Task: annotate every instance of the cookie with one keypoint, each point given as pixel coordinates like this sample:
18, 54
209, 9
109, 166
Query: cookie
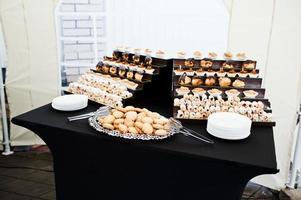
122, 128
161, 132
108, 126
147, 120
117, 114
109, 119
147, 128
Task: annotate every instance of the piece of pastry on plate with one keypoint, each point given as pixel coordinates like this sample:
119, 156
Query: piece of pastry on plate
228, 66
215, 92
197, 55
241, 56
189, 62
231, 74
181, 54
196, 81
199, 91
248, 65
182, 90
206, 64
122, 73
238, 83
136, 59
210, 81
160, 54
148, 52
125, 57
184, 79
212, 55
138, 77
228, 55
113, 70
130, 74
105, 68
221, 73
224, 82
243, 74
253, 74
250, 93
232, 93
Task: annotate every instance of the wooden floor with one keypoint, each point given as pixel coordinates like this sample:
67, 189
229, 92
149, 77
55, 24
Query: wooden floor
29, 175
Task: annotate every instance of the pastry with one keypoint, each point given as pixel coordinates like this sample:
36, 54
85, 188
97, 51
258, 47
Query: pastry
136, 59
137, 51
130, 74
210, 81
148, 52
160, 54
238, 83
189, 62
113, 70
227, 66
206, 64
243, 74
199, 91
182, 90
232, 93
248, 65
181, 54
99, 66
116, 55
253, 74
241, 56
215, 92
224, 82
148, 61
121, 73
228, 55
212, 55
105, 68
197, 55
196, 81
231, 74
250, 93
125, 57
184, 79
138, 77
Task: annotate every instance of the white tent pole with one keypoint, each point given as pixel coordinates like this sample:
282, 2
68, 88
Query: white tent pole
297, 156
6, 141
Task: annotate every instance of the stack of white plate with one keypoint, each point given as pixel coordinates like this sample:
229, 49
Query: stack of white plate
227, 125
70, 102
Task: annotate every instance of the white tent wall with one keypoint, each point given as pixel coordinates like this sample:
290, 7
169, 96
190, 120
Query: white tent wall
270, 32
32, 74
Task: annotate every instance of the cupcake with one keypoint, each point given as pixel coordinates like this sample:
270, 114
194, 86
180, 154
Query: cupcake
197, 55
250, 93
212, 55
210, 81
228, 55
248, 65
241, 56
238, 83
215, 92
184, 79
182, 90
224, 82
198, 91
232, 93
160, 54
196, 81
206, 64
181, 54
189, 62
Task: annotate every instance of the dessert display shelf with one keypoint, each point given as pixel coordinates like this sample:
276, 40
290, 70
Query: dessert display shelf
205, 86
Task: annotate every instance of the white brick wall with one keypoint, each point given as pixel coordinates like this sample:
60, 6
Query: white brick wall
81, 26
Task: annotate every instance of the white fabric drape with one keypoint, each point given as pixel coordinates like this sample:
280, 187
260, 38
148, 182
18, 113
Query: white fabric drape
270, 32
32, 74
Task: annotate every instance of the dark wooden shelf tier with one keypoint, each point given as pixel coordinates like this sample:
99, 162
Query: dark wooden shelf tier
249, 83
204, 121
216, 64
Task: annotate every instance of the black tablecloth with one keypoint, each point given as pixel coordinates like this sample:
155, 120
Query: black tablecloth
92, 165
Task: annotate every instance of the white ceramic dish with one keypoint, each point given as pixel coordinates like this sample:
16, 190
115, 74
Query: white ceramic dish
70, 102
230, 126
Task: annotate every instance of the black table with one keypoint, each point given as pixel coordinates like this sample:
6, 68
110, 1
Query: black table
91, 165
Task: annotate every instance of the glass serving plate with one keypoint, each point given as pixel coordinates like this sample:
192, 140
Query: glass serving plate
93, 122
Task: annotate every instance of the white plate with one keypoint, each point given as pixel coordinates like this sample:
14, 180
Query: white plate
230, 126
70, 102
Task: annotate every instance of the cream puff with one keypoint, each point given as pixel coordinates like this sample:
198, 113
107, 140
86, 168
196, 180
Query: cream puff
224, 82
238, 83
